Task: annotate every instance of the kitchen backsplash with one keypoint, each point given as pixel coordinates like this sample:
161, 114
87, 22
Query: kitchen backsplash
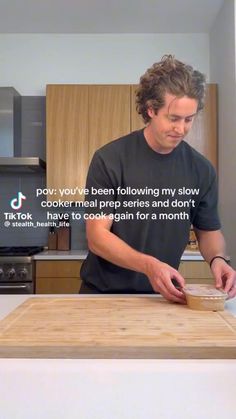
33, 144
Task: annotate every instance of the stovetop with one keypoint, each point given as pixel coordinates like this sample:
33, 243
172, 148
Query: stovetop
20, 250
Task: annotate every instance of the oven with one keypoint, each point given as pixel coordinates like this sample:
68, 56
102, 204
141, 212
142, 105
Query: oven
17, 270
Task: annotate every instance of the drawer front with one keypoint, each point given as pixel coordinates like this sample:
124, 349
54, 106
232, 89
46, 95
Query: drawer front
58, 269
58, 285
195, 270
209, 281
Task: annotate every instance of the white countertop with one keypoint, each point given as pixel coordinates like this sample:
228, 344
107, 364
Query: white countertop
61, 255
115, 389
81, 254
191, 255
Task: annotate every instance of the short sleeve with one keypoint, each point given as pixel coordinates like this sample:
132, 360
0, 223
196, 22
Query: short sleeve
205, 215
101, 185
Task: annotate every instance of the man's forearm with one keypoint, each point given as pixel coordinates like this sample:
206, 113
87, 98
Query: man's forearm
110, 247
107, 245
211, 243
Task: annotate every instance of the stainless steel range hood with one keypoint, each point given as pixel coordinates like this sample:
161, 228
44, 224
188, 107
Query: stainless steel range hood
11, 159
22, 165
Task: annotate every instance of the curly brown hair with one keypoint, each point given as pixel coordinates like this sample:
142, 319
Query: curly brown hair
168, 76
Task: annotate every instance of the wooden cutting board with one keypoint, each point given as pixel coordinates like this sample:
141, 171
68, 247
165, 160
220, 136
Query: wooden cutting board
115, 327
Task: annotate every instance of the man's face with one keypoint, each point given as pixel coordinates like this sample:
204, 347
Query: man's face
171, 124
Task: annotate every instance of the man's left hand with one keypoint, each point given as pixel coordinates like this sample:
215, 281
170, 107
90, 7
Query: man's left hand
225, 277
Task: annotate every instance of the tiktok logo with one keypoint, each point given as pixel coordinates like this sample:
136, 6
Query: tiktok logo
16, 203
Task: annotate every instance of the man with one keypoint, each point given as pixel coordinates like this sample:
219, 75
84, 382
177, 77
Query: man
147, 188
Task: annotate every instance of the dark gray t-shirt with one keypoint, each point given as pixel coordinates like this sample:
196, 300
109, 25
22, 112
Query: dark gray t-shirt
153, 199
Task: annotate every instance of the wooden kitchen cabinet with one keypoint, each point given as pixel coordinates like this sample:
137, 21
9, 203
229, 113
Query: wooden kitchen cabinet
58, 277
109, 114
197, 272
82, 118
66, 139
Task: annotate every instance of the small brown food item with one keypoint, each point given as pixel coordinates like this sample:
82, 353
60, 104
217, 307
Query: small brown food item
204, 297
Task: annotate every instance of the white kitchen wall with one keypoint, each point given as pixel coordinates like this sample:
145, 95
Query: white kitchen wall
30, 61
223, 72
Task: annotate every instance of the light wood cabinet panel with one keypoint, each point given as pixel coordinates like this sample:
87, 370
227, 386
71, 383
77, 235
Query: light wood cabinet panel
67, 138
196, 272
58, 268
58, 285
82, 118
109, 114
58, 277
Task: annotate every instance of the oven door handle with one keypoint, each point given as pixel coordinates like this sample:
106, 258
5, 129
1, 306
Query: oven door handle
16, 287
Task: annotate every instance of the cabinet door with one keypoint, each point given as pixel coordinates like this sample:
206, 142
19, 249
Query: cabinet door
67, 138
58, 277
58, 285
196, 272
58, 268
109, 114
82, 118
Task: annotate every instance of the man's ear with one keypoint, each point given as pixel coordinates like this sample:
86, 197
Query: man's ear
150, 112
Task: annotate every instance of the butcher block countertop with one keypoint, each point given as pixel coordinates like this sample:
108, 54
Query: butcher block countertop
138, 327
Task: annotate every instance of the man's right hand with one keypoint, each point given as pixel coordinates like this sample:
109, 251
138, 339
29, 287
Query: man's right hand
160, 276
107, 245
